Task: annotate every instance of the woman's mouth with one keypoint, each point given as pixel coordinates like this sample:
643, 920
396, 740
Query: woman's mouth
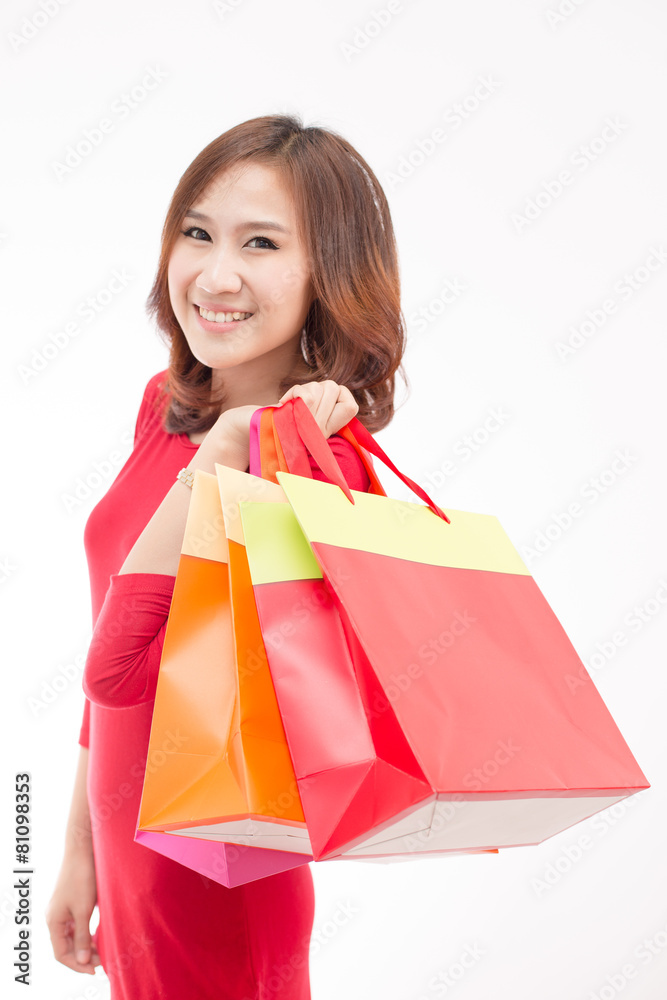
220, 320
222, 317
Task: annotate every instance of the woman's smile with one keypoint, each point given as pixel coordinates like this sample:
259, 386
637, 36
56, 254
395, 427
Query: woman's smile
220, 321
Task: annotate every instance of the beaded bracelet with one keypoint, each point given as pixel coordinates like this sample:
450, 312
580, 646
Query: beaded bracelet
186, 476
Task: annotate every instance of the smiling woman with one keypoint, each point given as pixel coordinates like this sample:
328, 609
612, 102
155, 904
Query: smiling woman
335, 231
240, 298
277, 277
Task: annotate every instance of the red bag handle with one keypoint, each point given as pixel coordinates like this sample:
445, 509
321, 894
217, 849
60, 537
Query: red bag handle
304, 424
296, 438
288, 441
366, 439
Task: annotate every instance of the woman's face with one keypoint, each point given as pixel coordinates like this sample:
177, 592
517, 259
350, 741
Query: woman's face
238, 253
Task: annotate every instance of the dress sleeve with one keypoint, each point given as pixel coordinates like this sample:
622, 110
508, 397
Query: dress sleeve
123, 660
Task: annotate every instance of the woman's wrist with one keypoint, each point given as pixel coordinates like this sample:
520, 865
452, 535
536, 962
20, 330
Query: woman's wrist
225, 444
78, 850
221, 452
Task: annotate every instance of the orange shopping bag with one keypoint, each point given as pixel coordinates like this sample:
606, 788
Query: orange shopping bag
229, 786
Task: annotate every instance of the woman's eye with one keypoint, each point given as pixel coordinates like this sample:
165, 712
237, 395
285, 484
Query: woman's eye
195, 229
263, 239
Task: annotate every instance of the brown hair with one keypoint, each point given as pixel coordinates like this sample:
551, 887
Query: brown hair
354, 329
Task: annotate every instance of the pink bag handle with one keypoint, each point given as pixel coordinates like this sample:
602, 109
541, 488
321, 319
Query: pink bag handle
302, 422
255, 463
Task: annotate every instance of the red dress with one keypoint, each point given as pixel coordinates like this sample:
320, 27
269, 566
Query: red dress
165, 932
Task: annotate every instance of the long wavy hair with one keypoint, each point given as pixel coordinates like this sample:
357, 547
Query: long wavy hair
354, 332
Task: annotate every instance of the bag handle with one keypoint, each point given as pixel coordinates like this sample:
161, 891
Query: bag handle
267, 457
305, 425
295, 438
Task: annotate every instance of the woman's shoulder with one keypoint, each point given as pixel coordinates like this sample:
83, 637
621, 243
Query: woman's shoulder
155, 384
150, 410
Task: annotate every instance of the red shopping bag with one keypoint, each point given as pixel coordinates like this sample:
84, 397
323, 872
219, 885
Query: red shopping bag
355, 769
471, 659
361, 780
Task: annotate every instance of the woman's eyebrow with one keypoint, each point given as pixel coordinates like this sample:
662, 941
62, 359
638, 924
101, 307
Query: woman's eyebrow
251, 224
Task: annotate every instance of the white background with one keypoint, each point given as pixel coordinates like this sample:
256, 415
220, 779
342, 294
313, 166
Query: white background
556, 82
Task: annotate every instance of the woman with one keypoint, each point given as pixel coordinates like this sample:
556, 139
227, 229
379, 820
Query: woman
278, 277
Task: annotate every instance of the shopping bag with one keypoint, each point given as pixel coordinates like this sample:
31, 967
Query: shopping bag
229, 864
355, 773
471, 659
231, 764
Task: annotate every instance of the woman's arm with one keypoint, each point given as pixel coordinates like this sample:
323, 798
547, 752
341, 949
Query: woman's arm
75, 895
158, 547
123, 661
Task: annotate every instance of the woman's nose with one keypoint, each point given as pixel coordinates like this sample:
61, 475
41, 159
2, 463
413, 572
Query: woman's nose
219, 275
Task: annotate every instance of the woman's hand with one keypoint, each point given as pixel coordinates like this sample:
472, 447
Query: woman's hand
331, 404
69, 911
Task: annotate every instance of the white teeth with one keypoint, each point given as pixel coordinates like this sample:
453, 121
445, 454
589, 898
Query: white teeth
222, 317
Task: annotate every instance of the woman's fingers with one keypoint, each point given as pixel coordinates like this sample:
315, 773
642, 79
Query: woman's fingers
66, 946
331, 404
